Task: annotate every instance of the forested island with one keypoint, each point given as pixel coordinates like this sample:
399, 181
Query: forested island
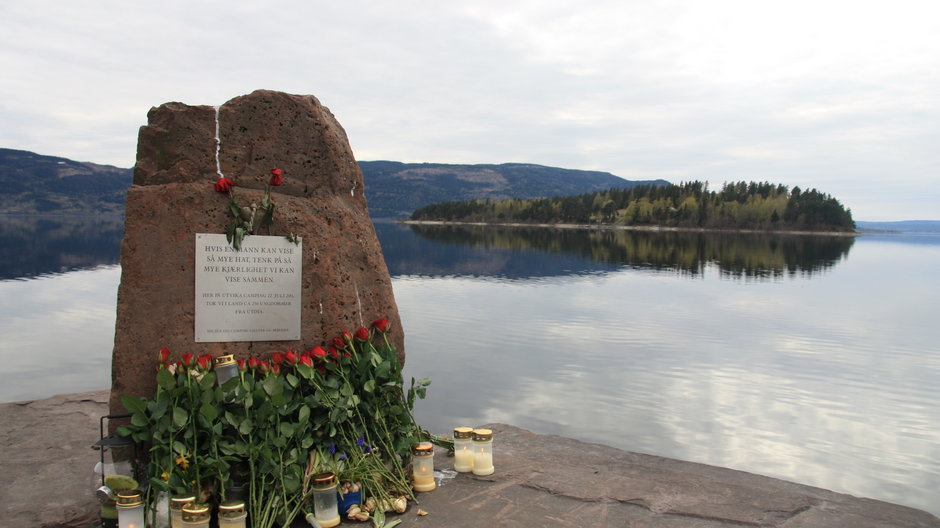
738, 205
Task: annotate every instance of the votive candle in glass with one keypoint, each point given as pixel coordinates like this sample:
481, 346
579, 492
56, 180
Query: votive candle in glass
130, 509
176, 508
423, 466
463, 449
483, 452
325, 507
225, 368
232, 514
196, 515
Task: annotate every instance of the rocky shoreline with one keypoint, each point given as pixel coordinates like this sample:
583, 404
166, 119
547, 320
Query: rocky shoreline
541, 480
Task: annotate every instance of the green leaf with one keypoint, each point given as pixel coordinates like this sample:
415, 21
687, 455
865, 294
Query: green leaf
180, 417
134, 404
273, 385
245, 427
209, 412
208, 381
165, 380
139, 420
287, 430
369, 386
303, 414
292, 380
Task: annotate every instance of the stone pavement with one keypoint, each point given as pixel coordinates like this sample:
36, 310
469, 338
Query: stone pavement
540, 481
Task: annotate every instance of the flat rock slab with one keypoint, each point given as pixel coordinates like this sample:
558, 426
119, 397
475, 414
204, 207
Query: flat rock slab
540, 480
47, 467
546, 480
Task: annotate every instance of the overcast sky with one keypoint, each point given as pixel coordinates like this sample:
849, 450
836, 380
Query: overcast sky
843, 96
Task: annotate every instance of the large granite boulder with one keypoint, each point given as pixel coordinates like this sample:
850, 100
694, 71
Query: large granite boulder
345, 282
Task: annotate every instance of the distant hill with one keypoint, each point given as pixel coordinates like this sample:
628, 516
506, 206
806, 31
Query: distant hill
906, 226
396, 189
33, 183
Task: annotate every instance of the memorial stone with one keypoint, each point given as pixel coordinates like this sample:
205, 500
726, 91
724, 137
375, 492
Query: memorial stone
182, 151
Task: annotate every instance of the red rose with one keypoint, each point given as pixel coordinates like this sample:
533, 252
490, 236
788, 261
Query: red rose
224, 184
291, 357
241, 364
253, 362
205, 361
321, 368
347, 336
305, 360
277, 358
164, 355
381, 324
334, 353
276, 369
277, 177
362, 334
339, 343
318, 351
187, 359
264, 366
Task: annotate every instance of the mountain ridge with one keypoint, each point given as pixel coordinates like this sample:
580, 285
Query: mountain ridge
32, 183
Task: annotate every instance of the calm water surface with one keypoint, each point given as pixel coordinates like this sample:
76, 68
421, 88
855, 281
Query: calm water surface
810, 359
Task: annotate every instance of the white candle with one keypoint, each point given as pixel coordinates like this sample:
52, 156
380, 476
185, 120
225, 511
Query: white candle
482, 463
463, 460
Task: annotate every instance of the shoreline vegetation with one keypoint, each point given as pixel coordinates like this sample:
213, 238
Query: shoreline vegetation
738, 207
646, 228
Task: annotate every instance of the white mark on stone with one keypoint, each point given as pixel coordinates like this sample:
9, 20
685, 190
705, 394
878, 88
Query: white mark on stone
321, 305
218, 145
358, 303
352, 192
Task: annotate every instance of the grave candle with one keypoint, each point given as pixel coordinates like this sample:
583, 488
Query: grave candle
232, 514
130, 508
325, 507
196, 515
423, 466
463, 449
176, 508
483, 452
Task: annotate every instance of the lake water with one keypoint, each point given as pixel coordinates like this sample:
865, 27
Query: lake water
813, 359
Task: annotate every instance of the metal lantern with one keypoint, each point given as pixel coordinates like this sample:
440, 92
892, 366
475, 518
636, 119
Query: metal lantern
114, 472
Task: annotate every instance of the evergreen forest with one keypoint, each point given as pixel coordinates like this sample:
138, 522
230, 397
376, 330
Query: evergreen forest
738, 205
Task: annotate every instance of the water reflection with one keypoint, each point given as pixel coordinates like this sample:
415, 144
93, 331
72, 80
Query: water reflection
519, 253
38, 245
832, 385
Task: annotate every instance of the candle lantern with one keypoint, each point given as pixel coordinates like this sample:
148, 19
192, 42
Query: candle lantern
114, 472
232, 514
176, 508
130, 509
196, 515
325, 507
463, 449
423, 466
482, 452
